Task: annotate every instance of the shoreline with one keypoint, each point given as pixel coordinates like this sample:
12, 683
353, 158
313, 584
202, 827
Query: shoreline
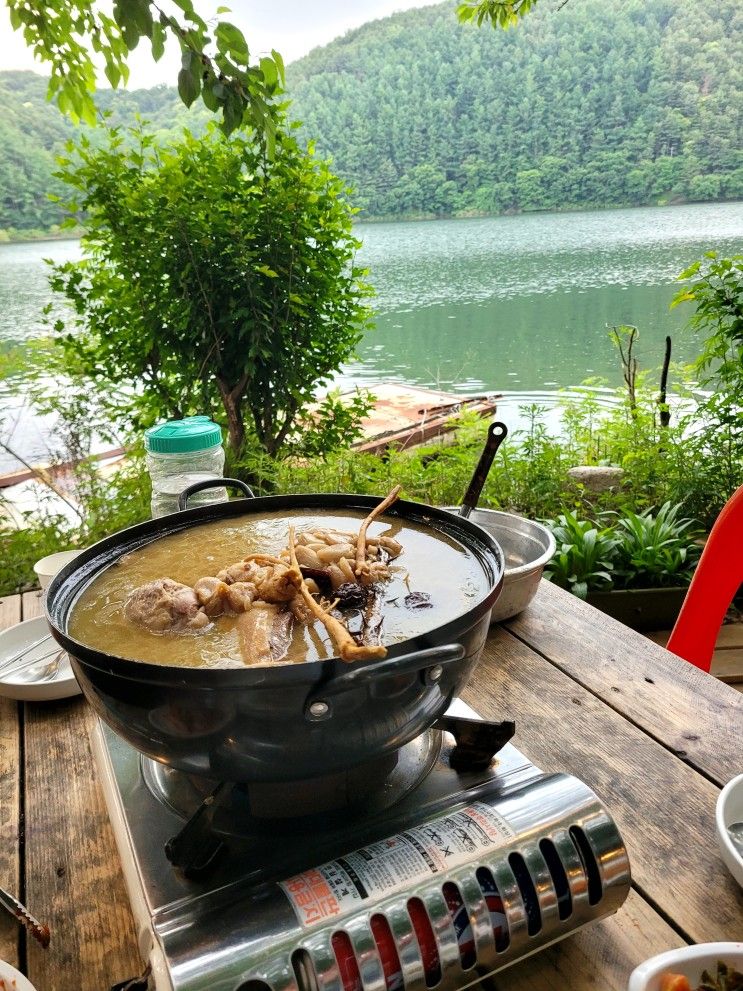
77, 233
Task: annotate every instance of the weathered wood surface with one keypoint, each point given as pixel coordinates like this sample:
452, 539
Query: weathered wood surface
550, 672
10, 785
598, 958
682, 707
664, 809
74, 879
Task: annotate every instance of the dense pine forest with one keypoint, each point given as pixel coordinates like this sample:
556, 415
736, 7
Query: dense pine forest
601, 103
33, 133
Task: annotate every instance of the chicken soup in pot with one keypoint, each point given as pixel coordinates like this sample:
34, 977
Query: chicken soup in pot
279, 588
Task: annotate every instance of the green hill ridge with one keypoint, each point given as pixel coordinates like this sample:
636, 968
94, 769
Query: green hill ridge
603, 103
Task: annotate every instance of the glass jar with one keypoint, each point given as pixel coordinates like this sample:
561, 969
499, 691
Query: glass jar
179, 453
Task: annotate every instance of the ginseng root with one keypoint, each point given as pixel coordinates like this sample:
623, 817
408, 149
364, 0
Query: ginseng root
348, 649
362, 568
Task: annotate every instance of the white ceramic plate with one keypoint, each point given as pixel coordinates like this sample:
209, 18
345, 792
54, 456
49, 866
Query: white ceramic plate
14, 980
22, 685
729, 809
689, 961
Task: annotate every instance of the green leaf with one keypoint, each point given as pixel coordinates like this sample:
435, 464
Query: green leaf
279, 65
112, 74
158, 41
189, 86
688, 272
465, 12
231, 41
270, 71
209, 94
130, 34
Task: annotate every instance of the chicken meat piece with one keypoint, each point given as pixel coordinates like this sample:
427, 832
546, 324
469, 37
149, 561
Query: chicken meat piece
273, 579
165, 606
264, 633
217, 598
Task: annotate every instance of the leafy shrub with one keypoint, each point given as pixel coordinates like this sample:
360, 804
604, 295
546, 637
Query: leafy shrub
636, 550
654, 550
583, 557
214, 280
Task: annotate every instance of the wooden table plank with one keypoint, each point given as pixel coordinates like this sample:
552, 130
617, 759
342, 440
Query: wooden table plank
74, 880
602, 955
688, 711
664, 808
10, 792
33, 604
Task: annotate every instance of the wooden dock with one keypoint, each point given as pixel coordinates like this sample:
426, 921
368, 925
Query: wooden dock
405, 415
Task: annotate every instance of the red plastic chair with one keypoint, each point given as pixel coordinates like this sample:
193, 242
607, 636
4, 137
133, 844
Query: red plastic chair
716, 579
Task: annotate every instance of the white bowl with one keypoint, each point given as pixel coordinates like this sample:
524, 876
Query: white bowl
689, 961
48, 566
729, 809
14, 978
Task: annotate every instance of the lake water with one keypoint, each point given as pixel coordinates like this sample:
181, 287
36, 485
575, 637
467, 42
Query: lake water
518, 305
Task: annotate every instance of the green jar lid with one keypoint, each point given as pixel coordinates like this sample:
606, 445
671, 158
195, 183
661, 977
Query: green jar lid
193, 433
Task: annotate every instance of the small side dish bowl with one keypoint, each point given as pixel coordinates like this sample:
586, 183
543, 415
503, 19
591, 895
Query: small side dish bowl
48, 566
690, 961
729, 809
527, 548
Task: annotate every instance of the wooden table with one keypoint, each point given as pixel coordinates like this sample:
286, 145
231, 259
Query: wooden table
655, 737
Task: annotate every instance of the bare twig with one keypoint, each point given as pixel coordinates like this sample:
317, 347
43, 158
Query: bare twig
665, 413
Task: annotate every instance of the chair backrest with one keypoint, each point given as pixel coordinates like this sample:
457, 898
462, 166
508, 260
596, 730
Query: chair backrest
716, 579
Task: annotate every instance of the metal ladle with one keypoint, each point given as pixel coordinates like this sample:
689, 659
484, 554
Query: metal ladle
497, 432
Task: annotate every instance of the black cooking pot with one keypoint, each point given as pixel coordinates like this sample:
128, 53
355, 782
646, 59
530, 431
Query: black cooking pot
286, 722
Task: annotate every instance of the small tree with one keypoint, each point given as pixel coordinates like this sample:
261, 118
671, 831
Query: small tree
714, 286
213, 275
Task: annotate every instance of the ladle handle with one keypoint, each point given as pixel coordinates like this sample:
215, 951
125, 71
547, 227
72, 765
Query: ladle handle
497, 432
213, 483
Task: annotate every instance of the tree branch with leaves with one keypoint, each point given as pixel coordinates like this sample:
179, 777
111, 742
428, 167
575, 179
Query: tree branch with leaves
215, 62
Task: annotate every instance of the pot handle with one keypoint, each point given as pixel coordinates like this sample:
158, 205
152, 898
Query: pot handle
213, 483
429, 662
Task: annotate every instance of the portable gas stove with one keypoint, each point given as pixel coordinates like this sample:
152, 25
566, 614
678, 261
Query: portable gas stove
430, 869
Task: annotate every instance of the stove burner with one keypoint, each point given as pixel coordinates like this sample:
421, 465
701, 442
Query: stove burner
251, 807
535, 857
215, 811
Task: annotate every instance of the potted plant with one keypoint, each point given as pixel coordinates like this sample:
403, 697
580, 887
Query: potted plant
636, 569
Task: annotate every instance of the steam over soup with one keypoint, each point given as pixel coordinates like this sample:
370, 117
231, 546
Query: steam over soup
280, 588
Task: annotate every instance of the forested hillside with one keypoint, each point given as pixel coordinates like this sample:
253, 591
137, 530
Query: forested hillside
33, 132
602, 103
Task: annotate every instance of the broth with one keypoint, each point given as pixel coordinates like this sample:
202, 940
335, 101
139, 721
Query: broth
430, 562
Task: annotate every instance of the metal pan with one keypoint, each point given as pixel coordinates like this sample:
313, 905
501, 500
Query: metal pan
285, 722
